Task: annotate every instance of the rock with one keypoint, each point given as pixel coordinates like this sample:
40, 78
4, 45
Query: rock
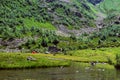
53, 49
93, 63
30, 58
77, 71
47, 52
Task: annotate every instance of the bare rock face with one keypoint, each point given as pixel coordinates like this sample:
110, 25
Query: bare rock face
11, 43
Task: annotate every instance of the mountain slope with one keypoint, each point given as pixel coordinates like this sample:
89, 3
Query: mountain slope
38, 24
70, 13
109, 6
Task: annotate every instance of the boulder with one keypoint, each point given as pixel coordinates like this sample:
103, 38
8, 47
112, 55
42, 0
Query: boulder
30, 58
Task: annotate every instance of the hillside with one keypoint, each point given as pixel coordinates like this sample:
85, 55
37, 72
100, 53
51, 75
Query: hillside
67, 24
72, 14
109, 6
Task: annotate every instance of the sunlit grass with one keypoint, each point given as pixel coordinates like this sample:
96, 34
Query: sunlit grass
19, 60
108, 5
101, 55
31, 22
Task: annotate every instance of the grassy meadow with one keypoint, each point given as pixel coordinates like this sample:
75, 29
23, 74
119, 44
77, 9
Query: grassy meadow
19, 60
101, 54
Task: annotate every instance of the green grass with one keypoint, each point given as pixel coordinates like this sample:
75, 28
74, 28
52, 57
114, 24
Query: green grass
117, 60
109, 5
101, 55
31, 22
19, 60
107, 55
97, 66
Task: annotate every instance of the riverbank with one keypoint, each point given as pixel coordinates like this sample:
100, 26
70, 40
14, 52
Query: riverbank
28, 60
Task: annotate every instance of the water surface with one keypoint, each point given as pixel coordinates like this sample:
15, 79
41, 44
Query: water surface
61, 73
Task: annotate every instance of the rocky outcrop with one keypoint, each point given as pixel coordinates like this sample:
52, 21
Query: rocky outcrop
12, 43
67, 32
53, 49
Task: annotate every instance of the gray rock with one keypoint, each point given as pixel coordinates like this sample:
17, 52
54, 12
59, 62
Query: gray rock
30, 58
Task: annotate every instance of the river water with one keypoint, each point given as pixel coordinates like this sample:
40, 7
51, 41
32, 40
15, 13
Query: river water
61, 73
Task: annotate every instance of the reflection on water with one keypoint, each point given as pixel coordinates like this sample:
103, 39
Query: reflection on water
66, 73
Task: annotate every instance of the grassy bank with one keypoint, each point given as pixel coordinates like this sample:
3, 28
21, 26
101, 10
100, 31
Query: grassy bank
118, 61
19, 60
87, 55
98, 66
100, 54
15, 60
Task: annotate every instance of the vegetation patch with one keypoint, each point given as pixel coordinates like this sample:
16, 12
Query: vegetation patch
99, 66
27, 60
18, 60
118, 61
98, 55
31, 22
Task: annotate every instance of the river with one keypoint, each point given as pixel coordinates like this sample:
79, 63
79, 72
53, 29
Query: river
61, 73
